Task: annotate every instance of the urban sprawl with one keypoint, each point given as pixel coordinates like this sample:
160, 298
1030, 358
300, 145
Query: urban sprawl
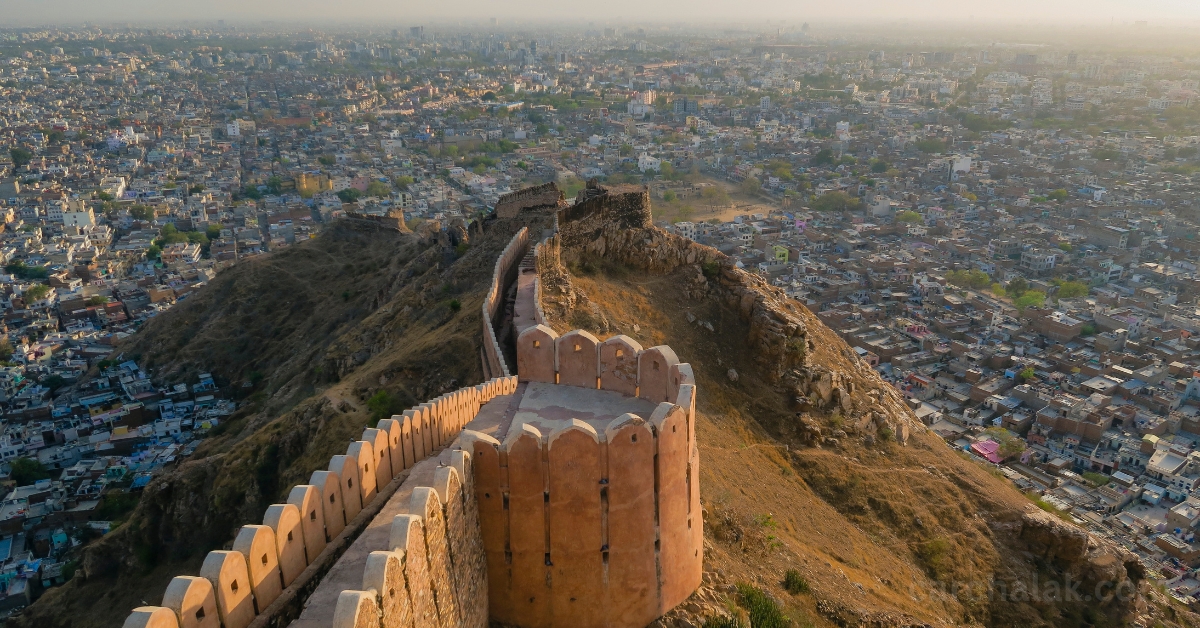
1006, 233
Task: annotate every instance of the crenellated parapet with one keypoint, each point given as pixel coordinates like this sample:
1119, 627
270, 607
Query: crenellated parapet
589, 501
271, 566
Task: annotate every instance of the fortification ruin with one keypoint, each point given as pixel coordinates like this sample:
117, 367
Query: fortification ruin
565, 495
546, 196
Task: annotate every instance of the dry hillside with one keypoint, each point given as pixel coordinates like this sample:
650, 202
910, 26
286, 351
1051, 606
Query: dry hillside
305, 338
882, 532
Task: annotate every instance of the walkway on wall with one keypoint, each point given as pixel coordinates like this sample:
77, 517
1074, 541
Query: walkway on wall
525, 304
347, 573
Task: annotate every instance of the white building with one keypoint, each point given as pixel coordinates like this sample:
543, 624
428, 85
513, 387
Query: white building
686, 229
646, 162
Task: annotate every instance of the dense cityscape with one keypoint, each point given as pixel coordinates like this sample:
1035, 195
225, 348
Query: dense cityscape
1006, 233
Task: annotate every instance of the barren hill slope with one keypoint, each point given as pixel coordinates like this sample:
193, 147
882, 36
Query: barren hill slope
305, 337
821, 469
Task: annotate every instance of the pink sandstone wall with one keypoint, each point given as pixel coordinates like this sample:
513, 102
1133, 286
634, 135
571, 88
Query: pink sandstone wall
506, 266
239, 588
582, 528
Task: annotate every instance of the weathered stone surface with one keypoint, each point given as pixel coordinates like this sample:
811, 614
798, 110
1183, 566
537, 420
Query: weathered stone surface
545, 197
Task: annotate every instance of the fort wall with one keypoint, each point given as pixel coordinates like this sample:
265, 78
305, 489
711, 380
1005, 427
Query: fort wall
264, 579
503, 275
587, 525
545, 196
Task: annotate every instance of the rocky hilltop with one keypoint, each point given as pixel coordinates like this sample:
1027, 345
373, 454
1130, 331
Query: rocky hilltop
819, 487
811, 464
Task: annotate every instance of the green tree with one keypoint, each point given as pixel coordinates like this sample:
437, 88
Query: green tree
879, 166
975, 279
381, 406
715, 195
20, 156
378, 189
26, 471
1010, 444
1071, 289
53, 382
909, 216
1032, 298
326, 160
998, 289
141, 212
1058, 195
349, 195
669, 196
402, 182
751, 185
836, 202
38, 292
1016, 287
931, 146
824, 157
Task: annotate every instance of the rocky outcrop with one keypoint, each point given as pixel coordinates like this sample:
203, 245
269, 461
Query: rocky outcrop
1093, 561
615, 224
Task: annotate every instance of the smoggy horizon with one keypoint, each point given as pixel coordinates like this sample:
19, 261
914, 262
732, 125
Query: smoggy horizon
1155, 14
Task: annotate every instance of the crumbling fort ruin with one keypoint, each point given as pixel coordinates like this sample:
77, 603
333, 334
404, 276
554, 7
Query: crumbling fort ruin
564, 495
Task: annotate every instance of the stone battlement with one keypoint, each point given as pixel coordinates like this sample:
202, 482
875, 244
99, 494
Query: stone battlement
546, 196
292, 560
566, 495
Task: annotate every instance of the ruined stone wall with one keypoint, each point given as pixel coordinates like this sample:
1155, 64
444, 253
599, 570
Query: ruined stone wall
587, 526
545, 196
263, 581
616, 225
503, 274
598, 209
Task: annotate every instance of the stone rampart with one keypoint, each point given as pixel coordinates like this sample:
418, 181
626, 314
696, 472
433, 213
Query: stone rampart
503, 274
546, 196
588, 524
265, 579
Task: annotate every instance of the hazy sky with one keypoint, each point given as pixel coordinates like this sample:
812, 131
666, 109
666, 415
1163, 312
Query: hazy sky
1158, 13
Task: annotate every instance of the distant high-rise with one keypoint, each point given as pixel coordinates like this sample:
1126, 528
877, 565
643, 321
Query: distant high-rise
533, 48
1026, 59
416, 31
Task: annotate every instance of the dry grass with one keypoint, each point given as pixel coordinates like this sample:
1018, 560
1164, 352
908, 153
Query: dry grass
884, 529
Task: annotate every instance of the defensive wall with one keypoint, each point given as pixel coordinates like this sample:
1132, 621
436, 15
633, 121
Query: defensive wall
503, 275
274, 573
539, 197
589, 502
567, 495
